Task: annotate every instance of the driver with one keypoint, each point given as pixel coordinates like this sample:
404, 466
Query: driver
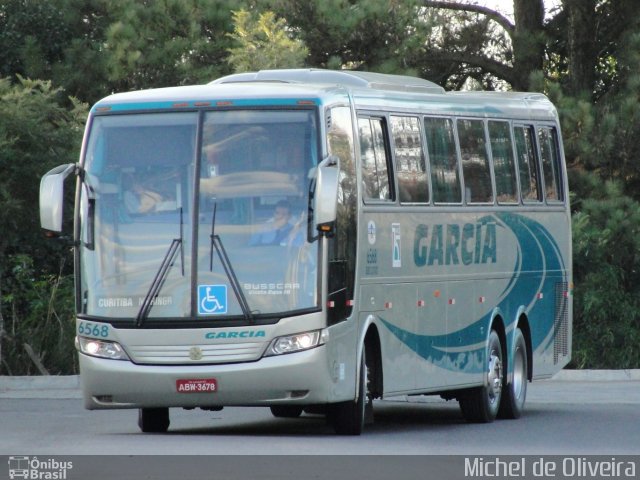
277, 229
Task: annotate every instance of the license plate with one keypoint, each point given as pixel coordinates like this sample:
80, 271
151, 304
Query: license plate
204, 385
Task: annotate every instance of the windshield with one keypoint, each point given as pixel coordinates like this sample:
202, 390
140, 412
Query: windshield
148, 251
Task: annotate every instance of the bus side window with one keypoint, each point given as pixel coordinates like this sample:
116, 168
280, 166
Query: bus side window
504, 163
527, 164
445, 177
551, 169
411, 169
475, 161
374, 160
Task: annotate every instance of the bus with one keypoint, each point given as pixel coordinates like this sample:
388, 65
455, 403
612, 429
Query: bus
19, 467
311, 240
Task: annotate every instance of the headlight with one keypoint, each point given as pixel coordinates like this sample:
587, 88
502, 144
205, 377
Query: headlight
101, 348
297, 342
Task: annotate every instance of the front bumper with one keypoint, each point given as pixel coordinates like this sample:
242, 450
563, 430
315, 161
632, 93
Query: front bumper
302, 378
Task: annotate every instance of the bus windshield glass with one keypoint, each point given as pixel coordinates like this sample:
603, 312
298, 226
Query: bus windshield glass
198, 216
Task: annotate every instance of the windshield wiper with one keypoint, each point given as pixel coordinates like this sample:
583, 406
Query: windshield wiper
216, 243
161, 275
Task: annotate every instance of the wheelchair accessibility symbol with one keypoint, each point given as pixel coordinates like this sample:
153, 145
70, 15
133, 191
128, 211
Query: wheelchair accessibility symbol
212, 299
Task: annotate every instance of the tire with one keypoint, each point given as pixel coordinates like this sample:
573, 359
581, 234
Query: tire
515, 393
481, 404
153, 420
348, 418
286, 411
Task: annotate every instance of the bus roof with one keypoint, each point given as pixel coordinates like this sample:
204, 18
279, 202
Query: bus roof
367, 89
196, 95
346, 78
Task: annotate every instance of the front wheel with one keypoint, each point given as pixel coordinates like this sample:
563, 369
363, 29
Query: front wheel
481, 404
153, 420
515, 393
348, 418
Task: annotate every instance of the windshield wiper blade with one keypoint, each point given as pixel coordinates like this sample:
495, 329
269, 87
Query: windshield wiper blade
213, 234
216, 243
161, 275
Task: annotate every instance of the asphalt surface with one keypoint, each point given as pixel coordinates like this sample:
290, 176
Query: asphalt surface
614, 386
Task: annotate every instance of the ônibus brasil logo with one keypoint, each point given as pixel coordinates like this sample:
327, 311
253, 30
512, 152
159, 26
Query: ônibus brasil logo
38, 469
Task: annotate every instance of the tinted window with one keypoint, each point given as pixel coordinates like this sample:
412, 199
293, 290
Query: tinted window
475, 161
411, 169
342, 246
445, 177
527, 164
550, 163
503, 161
374, 161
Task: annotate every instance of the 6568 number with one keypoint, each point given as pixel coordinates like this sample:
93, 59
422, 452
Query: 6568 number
93, 329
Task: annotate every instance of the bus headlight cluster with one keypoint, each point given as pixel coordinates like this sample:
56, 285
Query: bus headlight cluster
297, 342
101, 348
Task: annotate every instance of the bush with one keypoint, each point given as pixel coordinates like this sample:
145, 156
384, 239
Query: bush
606, 239
39, 129
39, 320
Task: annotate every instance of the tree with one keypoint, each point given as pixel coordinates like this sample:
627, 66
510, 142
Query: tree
480, 40
92, 48
607, 295
158, 44
58, 40
37, 132
32, 37
82, 70
581, 44
264, 42
359, 34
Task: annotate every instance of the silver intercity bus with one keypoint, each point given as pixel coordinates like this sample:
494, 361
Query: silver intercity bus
311, 240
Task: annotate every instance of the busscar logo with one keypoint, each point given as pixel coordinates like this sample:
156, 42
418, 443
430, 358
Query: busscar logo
38, 469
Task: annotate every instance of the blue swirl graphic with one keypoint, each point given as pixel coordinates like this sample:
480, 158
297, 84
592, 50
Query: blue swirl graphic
538, 268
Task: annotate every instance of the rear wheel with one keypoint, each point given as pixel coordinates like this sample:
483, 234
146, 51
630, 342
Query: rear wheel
348, 418
286, 411
515, 393
153, 420
481, 404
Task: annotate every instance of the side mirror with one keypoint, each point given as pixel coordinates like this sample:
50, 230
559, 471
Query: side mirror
326, 194
52, 197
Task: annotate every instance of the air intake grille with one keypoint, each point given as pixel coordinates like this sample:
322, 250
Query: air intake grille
561, 323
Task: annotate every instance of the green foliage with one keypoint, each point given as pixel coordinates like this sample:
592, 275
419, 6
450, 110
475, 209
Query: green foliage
264, 42
38, 130
91, 48
606, 236
602, 148
32, 37
82, 70
377, 35
173, 42
38, 311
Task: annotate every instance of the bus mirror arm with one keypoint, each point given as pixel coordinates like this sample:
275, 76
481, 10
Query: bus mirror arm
325, 205
91, 208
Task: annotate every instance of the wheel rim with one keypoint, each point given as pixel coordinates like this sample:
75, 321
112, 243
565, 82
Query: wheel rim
518, 373
494, 378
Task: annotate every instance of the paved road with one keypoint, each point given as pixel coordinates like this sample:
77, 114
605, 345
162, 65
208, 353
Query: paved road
572, 415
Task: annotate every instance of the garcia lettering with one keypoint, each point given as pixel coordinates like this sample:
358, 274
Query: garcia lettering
452, 244
235, 334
